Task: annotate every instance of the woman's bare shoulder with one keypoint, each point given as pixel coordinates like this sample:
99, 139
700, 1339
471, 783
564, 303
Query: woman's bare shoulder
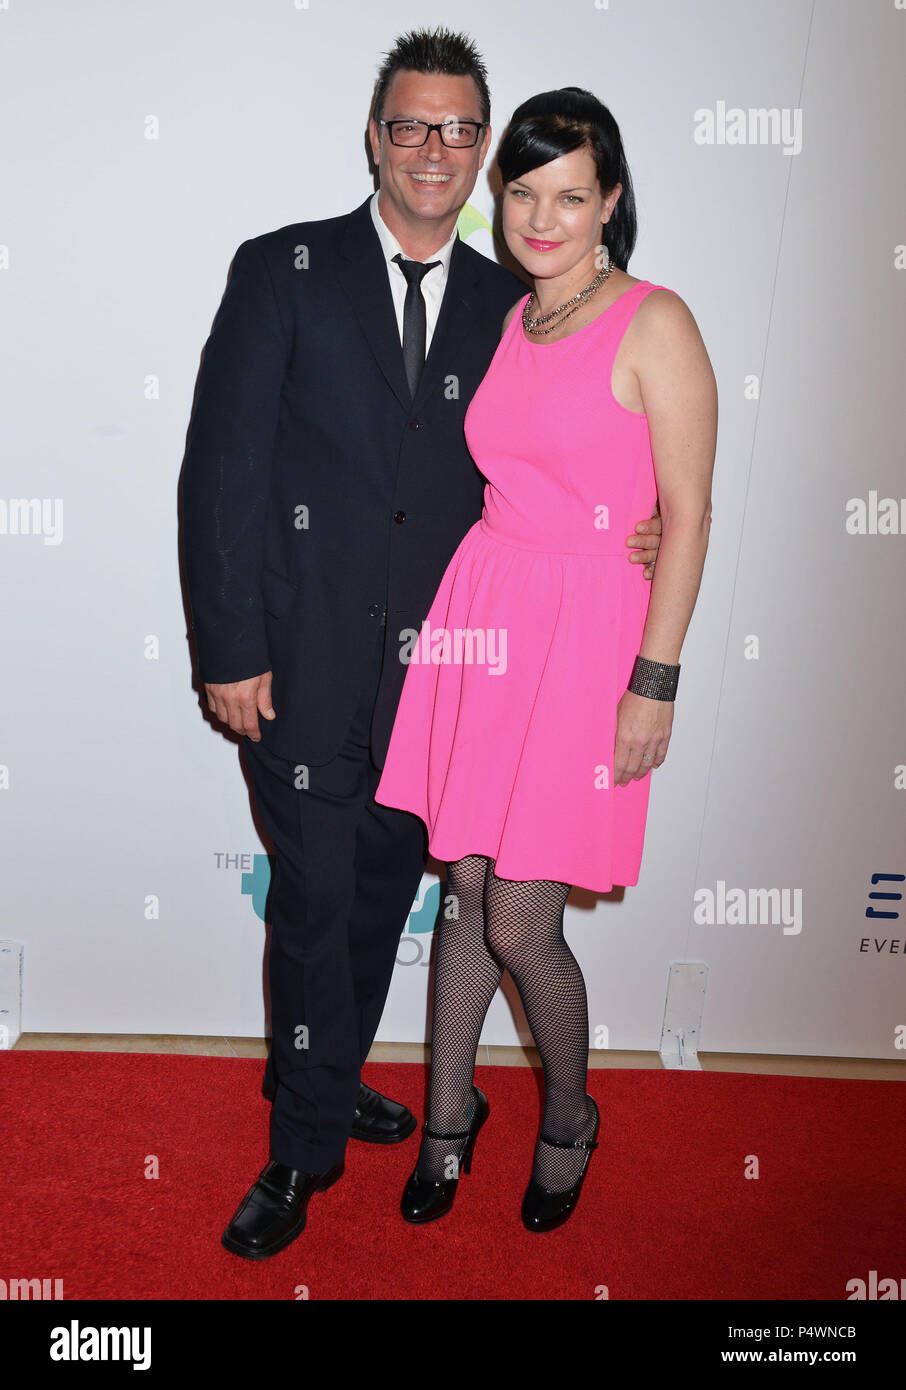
663, 308
663, 326
664, 341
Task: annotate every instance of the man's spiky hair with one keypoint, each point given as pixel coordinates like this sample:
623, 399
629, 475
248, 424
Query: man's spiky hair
439, 51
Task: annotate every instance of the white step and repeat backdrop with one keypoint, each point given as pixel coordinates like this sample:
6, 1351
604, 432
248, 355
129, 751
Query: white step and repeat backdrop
143, 142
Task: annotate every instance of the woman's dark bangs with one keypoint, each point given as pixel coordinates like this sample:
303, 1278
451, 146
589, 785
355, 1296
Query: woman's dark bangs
536, 144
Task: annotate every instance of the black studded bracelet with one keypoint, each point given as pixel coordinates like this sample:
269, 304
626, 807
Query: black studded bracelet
654, 679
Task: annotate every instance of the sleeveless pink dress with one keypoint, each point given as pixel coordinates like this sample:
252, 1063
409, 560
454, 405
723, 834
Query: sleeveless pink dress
503, 741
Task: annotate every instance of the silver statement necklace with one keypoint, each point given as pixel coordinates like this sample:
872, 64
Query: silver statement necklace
533, 324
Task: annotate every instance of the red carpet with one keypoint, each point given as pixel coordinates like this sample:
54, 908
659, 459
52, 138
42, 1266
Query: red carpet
666, 1213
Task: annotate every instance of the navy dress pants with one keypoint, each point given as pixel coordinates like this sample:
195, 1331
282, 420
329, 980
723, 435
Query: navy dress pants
346, 874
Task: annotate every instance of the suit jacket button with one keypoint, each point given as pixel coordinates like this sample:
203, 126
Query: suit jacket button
415, 424
374, 610
399, 517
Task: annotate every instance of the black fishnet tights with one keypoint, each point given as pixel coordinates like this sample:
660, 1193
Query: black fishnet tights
517, 926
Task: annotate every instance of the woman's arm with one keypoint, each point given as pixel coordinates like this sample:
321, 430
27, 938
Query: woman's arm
679, 393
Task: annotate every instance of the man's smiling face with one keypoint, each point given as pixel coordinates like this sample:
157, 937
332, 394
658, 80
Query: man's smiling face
430, 183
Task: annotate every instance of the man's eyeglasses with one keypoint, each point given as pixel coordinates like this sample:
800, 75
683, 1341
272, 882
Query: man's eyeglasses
458, 135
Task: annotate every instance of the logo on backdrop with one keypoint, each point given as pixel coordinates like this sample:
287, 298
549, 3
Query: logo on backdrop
885, 898
256, 882
415, 941
470, 221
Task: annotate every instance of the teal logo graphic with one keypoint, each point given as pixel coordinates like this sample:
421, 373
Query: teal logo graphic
423, 912
256, 884
415, 943
420, 922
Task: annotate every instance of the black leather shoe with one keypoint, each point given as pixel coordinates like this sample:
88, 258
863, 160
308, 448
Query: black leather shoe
378, 1120
272, 1213
543, 1210
424, 1200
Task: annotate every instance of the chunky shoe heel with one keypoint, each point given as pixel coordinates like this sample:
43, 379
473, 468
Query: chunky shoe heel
424, 1200
543, 1210
465, 1162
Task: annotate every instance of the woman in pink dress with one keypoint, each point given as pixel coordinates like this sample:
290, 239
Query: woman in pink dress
539, 691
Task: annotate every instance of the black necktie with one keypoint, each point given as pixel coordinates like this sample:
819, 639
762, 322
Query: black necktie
415, 326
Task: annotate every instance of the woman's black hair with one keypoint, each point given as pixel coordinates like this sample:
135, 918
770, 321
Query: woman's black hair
556, 123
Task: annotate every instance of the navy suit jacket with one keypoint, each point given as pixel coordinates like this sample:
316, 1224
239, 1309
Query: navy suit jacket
319, 500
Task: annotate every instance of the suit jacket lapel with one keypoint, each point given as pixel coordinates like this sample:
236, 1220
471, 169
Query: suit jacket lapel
457, 310
362, 272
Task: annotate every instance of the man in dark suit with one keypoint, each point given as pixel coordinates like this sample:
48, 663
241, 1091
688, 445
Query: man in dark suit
326, 484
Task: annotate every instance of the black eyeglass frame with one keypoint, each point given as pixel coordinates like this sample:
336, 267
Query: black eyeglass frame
479, 127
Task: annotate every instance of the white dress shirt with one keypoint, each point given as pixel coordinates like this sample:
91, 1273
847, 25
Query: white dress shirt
433, 283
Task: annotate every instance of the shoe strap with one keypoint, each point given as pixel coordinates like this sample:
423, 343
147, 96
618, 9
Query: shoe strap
433, 1134
573, 1143
570, 1143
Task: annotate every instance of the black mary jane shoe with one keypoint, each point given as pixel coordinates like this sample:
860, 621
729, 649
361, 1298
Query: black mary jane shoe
543, 1210
378, 1120
424, 1200
273, 1211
